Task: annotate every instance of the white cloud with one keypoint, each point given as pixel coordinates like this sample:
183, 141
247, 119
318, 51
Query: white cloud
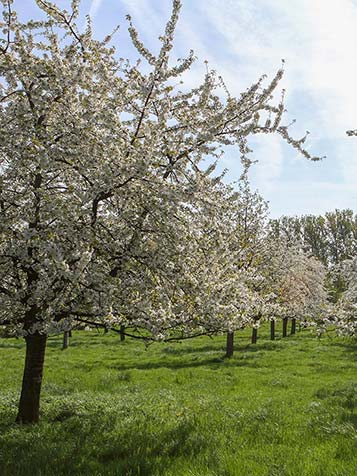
267, 172
305, 198
318, 40
95, 5
148, 17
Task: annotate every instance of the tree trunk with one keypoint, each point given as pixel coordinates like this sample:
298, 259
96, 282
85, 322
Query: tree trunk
272, 330
29, 406
122, 333
65, 343
285, 326
293, 326
230, 344
254, 335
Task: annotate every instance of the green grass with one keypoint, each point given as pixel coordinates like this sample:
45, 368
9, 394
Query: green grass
283, 408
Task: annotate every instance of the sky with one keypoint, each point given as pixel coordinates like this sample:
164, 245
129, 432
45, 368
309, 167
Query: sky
243, 39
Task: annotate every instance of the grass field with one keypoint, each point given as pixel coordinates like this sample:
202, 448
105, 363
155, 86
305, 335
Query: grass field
283, 408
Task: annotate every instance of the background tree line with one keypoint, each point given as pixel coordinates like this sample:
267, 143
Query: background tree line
331, 238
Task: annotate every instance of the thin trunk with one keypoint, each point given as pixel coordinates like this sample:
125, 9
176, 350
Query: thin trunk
272, 330
122, 333
230, 344
65, 342
254, 335
70, 334
285, 326
293, 326
29, 406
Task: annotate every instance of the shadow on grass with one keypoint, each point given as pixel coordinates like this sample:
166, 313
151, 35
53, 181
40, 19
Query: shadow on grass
54, 342
177, 349
347, 346
99, 444
214, 363
10, 343
88, 341
270, 345
351, 418
110, 340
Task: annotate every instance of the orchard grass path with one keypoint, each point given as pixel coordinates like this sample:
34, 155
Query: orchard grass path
282, 408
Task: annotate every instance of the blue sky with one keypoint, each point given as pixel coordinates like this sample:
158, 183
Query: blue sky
243, 39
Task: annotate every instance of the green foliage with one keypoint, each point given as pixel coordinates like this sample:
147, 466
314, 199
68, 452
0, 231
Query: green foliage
331, 238
282, 408
335, 285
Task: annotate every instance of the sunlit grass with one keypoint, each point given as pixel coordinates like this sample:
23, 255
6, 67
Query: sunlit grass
287, 407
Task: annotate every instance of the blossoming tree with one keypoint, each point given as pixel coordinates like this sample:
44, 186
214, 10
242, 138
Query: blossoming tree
299, 285
102, 183
245, 231
344, 317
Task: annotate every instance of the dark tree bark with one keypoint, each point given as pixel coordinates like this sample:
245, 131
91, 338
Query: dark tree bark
122, 333
65, 342
70, 334
293, 326
272, 330
29, 406
230, 344
254, 335
285, 326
